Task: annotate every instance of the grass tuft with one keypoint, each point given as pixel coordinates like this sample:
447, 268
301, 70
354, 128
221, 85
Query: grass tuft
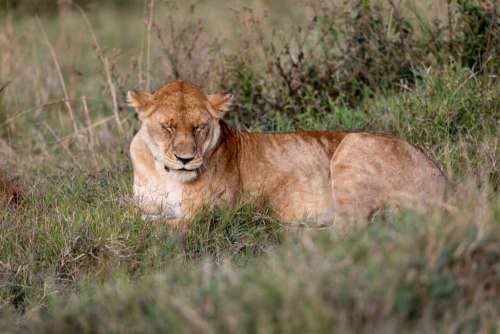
243, 230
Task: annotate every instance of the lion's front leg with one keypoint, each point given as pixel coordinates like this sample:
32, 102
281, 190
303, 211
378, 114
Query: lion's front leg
153, 203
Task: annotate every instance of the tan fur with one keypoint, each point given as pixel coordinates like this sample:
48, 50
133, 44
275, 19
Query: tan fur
9, 193
315, 175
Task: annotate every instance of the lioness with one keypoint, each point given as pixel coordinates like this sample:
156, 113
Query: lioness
186, 157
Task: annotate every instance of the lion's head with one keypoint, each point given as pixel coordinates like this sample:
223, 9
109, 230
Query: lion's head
181, 124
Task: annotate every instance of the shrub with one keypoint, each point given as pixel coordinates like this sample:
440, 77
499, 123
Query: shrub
355, 51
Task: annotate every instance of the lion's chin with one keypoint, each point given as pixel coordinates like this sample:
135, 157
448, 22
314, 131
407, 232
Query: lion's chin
184, 175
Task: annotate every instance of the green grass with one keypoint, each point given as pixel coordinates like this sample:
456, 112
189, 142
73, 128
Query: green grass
403, 274
76, 256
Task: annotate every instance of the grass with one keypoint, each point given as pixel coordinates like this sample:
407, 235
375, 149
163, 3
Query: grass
75, 255
415, 273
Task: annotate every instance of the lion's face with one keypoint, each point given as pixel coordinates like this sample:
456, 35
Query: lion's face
182, 124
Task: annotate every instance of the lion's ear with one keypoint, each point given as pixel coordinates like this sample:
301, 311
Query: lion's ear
220, 103
142, 102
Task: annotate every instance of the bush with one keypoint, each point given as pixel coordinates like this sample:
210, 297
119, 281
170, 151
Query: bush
362, 52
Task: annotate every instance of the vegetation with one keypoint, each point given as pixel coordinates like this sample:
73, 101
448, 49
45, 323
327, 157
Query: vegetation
75, 255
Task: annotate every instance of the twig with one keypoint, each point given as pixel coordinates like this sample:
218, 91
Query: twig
4, 86
59, 73
94, 125
449, 13
19, 114
148, 46
107, 70
89, 127
62, 145
26, 111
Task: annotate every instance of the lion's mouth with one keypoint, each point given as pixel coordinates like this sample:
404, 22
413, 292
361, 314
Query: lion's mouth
182, 169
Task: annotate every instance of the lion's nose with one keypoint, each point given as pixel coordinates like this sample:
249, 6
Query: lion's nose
184, 160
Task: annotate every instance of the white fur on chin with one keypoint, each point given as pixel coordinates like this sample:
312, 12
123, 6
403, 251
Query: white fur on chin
184, 176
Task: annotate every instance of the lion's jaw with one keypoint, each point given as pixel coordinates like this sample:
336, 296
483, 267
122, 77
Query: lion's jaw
184, 176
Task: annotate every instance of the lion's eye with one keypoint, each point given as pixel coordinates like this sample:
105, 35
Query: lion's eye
167, 128
200, 128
